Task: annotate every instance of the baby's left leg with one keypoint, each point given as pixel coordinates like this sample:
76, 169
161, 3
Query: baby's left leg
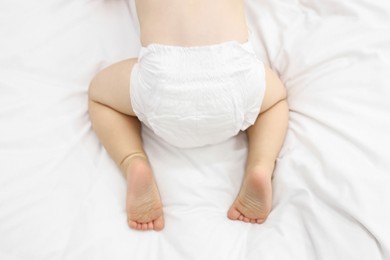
265, 139
118, 128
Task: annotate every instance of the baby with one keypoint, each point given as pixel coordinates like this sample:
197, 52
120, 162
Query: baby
196, 82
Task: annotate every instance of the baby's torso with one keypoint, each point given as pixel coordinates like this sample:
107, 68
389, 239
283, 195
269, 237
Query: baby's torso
197, 81
191, 22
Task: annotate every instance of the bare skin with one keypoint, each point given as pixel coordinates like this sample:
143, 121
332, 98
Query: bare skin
254, 200
144, 207
185, 23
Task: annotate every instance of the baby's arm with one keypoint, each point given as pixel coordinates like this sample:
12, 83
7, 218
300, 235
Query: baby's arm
266, 136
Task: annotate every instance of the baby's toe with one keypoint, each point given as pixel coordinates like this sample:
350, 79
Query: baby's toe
158, 224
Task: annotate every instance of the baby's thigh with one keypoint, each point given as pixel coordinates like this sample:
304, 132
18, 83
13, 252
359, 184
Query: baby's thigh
111, 86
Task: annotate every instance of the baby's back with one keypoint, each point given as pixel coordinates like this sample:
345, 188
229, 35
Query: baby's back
191, 22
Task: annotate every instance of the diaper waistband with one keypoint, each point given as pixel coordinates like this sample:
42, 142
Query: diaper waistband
157, 47
247, 46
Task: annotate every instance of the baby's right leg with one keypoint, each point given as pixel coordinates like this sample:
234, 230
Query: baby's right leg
118, 129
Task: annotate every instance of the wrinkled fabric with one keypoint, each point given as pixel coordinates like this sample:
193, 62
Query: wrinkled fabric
197, 96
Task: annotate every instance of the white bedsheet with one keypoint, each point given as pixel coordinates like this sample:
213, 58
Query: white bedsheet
61, 197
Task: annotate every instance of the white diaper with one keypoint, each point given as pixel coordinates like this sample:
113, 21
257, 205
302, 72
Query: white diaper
196, 96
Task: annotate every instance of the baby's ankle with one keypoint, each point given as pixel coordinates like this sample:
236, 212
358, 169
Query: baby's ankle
260, 168
130, 159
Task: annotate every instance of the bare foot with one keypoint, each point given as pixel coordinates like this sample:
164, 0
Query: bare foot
254, 200
144, 207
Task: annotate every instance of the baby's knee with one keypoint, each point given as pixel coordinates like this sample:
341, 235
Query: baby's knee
95, 87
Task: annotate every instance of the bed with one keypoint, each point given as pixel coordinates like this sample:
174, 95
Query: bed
61, 196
